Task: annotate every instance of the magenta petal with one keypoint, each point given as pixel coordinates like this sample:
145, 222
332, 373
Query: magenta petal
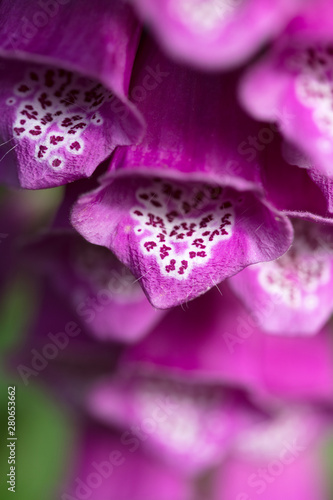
298, 192
190, 425
64, 109
292, 84
296, 289
214, 33
180, 239
101, 291
194, 122
216, 339
183, 210
107, 469
279, 459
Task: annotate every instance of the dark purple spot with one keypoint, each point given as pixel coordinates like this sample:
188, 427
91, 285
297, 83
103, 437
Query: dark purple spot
149, 245
171, 266
56, 162
23, 88
198, 242
214, 233
19, 131
171, 215
164, 251
42, 150
227, 204
75, 145
44, 100
35, 131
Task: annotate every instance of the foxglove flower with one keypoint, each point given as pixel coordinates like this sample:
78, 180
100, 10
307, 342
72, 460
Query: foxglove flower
279, 459
64, 108
217, 339
189, 425
294, 156
58, 350
184, 210
106, 469
296, 192
101, 291
293, 82
297, 287
215, 33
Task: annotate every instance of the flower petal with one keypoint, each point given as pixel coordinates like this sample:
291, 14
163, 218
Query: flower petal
190, 425
183, 210
100, 290
216, 339
270, 458
64, 109
214, 33
292, 84
121, 474
179, 239
296, 288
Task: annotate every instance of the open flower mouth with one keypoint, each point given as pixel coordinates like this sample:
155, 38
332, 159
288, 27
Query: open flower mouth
53, 108
294, 290
314, 84
180, 238
180, 226
202, 16
58, 125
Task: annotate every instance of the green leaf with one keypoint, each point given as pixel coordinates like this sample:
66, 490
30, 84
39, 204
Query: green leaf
43, 434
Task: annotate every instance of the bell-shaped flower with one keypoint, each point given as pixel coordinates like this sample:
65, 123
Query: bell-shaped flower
185, 209
215, 33
292, 84
64, 108
296, 289
190, 425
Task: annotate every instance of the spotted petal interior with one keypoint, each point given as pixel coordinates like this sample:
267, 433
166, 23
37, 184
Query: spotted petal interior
179, 227
53, 108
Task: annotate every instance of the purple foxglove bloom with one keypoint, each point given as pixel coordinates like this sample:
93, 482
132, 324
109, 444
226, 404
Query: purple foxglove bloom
297, 192
58, 350
217, 339
298, 158
292, 84
106, 468
277, 459
184, 210
189, 425
64, 108
296, 289
102, 291
215, 33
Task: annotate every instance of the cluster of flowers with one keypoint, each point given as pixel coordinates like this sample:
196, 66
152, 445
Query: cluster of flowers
187, 277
